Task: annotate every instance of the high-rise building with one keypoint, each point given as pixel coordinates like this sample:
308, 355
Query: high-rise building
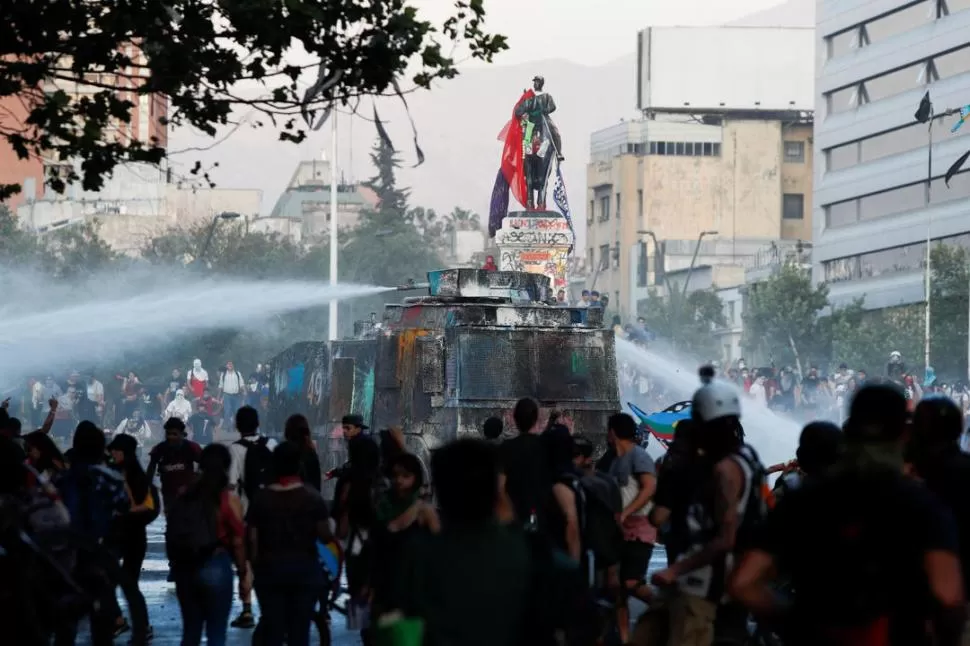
876, 199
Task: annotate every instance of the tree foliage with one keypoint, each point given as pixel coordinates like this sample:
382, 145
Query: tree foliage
687, 323
948, 311
304, 57
788, 304
781, 318
67, 253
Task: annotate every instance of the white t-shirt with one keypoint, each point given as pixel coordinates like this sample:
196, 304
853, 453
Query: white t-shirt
237, 470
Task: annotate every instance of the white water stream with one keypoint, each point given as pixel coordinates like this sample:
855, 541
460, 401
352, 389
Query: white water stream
773, 436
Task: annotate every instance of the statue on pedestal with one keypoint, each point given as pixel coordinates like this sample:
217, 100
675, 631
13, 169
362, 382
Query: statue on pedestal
532, 145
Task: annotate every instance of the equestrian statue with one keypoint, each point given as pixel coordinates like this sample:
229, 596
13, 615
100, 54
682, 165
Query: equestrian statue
532, 146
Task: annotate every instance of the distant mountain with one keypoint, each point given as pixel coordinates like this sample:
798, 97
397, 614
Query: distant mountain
457, 124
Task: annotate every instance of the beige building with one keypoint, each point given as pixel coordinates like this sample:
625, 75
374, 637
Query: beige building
307, 200
135, 204
749, 179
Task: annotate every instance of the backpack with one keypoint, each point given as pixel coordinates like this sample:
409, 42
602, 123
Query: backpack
599, 496
191, 532
758, 501
148, 516
91, 511
257, 467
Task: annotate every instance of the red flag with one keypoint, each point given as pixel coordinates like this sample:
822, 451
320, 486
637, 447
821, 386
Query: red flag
512, 163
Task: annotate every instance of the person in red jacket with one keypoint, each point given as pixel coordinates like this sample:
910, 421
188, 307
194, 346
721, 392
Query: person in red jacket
490, 264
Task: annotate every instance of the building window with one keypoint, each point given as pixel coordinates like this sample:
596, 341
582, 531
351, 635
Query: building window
716, 149
795, 152
653, 148
604, 257
730, 313
616, 255
641, 264
591, 258
604, 208
793, 206
661, 147
592, 210
618, 211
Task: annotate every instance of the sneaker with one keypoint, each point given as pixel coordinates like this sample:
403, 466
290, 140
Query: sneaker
244, 620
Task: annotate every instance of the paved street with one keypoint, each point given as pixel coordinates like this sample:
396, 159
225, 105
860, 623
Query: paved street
164, 611
163, 607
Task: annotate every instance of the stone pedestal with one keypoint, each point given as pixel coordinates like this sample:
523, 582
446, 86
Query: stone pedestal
537, 242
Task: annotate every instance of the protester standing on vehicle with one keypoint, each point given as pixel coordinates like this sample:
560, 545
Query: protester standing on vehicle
872, 555
251, 471
285, 521
204, 537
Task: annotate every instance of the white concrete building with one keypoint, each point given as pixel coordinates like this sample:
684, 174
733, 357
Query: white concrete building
873, 204
136, 203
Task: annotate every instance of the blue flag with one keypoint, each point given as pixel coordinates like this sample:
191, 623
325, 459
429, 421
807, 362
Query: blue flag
562, 202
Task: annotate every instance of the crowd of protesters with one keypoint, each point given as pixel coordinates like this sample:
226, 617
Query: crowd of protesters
126, 403
531, 537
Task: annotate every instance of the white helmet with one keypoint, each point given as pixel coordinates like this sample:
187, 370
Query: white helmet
715, 399
895, 355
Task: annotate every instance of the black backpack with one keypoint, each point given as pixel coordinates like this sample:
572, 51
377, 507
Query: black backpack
756, 507
257, 467
600, 500
191, 532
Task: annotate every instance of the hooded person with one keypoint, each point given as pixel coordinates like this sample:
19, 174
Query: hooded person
136, 426
179, 407
198, 379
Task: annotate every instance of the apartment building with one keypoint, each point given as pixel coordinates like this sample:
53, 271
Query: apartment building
876, 201
748, 179
147, 123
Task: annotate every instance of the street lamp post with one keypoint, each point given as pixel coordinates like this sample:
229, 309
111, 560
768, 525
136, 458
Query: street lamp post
225, 215
693, 260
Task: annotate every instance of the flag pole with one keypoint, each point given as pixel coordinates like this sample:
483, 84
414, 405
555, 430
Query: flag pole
333, 223
929, 224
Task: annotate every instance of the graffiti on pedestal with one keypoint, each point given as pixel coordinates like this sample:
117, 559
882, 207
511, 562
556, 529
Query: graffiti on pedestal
549, 262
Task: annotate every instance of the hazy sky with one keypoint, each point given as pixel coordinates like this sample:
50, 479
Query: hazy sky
590, 31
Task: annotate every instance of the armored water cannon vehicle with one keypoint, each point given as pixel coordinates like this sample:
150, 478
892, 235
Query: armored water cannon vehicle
445, 362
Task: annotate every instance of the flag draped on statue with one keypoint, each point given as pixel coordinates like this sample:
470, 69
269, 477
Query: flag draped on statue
511, 176
562, 201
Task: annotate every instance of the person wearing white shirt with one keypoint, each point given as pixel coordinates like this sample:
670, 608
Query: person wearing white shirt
232, 389
247, 423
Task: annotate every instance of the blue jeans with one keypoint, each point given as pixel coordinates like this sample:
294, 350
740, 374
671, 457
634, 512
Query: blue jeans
205, 598
230, 404
288, 592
